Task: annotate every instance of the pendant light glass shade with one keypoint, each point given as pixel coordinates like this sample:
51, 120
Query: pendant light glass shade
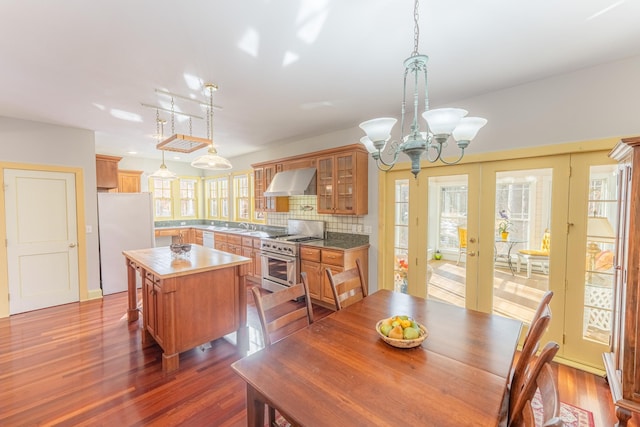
164, 172
211, 161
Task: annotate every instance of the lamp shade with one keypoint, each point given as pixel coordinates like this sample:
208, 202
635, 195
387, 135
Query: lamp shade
599, 229
468, 128
368, 144
211, 161
378, 129
163, 173
442, 121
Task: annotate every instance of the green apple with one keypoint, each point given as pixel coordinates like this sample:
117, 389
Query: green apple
385, 328
410, 333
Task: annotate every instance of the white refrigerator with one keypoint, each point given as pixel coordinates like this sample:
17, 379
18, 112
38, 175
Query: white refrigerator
125, 222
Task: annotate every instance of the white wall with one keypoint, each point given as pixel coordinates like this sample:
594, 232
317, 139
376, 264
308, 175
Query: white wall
593, 103
23, 141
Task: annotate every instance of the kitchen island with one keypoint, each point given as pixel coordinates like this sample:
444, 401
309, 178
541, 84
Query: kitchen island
188, 302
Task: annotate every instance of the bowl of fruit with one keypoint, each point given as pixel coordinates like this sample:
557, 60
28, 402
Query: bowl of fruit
401, 331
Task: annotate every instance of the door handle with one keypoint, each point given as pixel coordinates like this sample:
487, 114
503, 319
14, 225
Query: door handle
72, 245
471, 253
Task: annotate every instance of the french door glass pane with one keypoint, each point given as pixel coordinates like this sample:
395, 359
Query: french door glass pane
401, 235
447, 238
601, 222
522, 241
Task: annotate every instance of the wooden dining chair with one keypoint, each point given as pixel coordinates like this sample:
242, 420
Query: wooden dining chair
528, 353
280, 316
539, 374
542, 306
348, 286
550, 398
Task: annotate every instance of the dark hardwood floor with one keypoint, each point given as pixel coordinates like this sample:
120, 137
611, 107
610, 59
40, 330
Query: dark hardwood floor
83, 365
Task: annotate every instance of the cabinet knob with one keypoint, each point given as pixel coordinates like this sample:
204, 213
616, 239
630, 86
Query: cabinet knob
72, 245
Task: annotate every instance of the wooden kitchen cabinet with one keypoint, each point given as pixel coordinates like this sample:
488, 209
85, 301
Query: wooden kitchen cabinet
623, 362
197, 236
343, 182
129, 181
262, 177
154, 311
106, 171
303, 163
220, 241
178, 235
314, 261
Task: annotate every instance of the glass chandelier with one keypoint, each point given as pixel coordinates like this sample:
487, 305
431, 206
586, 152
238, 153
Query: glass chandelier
441, 123
212, 160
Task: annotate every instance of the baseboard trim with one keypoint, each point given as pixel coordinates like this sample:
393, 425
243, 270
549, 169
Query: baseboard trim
94, 294
587, 368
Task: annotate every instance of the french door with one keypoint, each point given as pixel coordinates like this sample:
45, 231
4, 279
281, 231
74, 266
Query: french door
445, 244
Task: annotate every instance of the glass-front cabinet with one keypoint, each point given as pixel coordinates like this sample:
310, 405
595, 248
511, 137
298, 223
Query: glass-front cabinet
342, 181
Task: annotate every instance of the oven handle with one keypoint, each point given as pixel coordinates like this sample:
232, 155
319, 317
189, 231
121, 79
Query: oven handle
288, 260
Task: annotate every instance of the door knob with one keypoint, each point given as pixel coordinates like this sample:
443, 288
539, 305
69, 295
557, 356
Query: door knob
472, 240
472, 253
72, 245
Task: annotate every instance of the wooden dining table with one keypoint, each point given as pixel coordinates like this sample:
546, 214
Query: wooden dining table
338, 371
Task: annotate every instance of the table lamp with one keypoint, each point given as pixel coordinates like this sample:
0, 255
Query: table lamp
599, 229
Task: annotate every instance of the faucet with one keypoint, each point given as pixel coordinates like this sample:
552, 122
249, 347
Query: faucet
245, 225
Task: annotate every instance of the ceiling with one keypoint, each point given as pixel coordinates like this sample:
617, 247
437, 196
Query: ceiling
286, 69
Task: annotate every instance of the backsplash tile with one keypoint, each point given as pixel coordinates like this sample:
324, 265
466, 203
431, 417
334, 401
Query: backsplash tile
305, 207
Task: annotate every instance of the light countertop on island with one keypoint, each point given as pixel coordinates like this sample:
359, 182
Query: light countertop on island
200, 259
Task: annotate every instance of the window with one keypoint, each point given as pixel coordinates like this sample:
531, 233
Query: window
188, 198
162, 202
401, 235
217, 190
453, 214
242, 202
513, 205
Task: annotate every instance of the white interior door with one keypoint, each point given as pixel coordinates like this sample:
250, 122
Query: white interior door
42, 250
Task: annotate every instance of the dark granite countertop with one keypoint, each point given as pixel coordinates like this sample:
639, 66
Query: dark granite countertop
341, 241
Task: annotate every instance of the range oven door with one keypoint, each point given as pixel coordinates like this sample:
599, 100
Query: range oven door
278, 272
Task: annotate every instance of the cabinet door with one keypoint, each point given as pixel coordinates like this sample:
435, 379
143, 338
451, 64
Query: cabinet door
344, 184
158, 303
149, 312
327, 293
257, 265
249, 253
325, 185
312, 269
129, 181
258, 190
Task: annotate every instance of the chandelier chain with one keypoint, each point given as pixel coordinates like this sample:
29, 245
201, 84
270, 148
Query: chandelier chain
173, 131
416, 29
158, 125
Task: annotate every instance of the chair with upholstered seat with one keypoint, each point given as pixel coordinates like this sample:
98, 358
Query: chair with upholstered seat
539, 256
280, 315
348, 286
539, 374
462, 243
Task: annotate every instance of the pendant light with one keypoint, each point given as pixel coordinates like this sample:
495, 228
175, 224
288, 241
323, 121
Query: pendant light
212, 160
163, 172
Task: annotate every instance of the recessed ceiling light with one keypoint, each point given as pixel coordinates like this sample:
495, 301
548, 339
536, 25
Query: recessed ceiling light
132, 152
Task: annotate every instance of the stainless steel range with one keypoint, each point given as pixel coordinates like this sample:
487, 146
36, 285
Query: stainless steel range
279, 255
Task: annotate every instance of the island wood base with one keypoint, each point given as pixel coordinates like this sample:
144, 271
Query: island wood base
187, 303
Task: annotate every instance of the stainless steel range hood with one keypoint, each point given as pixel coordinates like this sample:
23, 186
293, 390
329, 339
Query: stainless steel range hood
296, 182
